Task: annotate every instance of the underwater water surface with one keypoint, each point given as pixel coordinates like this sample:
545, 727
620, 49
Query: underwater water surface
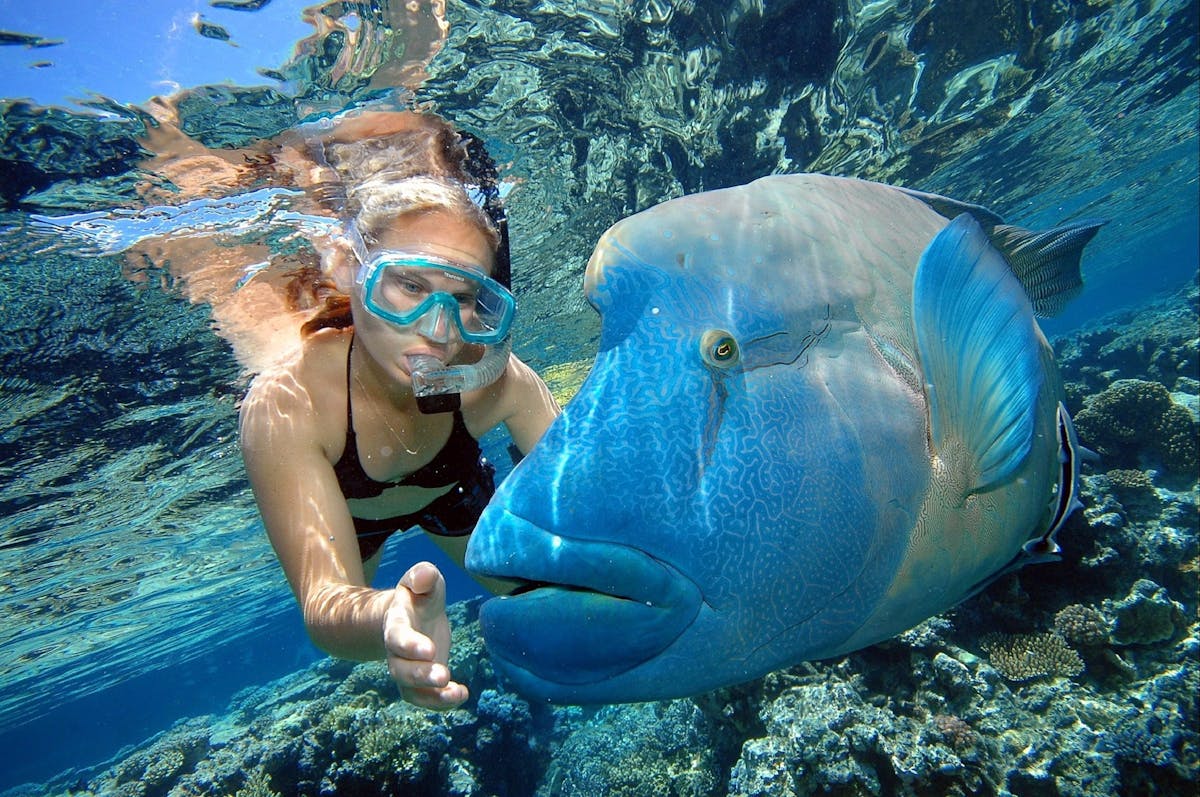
138, 592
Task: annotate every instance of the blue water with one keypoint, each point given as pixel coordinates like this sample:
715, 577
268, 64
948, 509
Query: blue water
89, 730
136, 584
1162, 260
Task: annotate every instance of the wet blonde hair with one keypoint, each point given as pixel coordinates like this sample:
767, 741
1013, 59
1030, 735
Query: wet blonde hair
380, 200
418, 169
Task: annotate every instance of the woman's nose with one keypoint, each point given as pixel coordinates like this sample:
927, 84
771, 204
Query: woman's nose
436, 325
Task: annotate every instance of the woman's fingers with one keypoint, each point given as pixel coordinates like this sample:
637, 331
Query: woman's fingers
449, 697
426, 684
403, 641
416, 636
417, 673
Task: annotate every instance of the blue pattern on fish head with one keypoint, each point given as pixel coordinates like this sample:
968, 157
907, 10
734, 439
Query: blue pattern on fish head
677, 528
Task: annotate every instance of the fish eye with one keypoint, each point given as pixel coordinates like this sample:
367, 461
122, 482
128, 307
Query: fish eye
719, 349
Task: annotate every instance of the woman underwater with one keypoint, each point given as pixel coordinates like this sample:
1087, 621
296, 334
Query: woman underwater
340, 450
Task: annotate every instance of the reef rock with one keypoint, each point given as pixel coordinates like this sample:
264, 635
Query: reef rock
1146, 615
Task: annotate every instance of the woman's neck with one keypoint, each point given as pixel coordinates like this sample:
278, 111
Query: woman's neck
377, 384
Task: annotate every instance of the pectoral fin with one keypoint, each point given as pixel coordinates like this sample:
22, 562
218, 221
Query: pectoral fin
1044, 547
979, 349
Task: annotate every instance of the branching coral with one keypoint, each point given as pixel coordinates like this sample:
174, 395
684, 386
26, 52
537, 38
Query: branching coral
1024, 656
258, 784
163, 762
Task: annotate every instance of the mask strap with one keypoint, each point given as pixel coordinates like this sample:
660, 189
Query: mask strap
350, 230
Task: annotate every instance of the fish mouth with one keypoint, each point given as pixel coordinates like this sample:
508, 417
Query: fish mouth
584, 612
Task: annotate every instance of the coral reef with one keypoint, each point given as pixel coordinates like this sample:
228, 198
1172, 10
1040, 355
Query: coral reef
1146, 615
1082, 625
1134, 418
668, 748
338, 728
824, 736
955, 731
1132, 385
1155, 343
1135, 491
1071, 679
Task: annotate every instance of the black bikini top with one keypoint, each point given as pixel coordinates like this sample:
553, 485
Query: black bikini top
460, 453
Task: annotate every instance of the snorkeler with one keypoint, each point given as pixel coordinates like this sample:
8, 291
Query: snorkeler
372, 428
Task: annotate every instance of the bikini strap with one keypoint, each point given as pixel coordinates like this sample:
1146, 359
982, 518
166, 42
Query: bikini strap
349, 408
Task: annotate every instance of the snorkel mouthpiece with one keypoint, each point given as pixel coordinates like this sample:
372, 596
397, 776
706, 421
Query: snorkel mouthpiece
438, 386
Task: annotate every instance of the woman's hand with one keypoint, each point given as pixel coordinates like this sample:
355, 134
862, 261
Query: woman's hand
416, 638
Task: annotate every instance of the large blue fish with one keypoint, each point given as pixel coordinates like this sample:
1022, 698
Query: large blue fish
822, 411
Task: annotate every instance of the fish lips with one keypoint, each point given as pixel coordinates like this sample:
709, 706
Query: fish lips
587, 612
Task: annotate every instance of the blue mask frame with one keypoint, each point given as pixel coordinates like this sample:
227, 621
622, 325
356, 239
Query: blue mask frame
495, 306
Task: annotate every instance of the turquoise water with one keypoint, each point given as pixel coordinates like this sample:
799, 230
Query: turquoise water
136, 585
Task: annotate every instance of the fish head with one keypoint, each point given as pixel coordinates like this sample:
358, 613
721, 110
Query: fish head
674, 529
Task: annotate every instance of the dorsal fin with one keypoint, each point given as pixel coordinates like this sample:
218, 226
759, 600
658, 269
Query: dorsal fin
979, 350
953, 208
1046, 262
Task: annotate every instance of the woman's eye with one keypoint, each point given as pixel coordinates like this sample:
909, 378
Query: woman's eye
406, 286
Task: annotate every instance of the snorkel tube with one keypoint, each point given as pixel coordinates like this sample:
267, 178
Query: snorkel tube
438, 387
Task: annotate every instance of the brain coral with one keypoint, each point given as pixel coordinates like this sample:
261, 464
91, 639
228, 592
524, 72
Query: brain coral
1082, 625
955, 731
1133, 416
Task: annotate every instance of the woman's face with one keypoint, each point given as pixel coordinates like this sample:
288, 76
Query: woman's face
441, 233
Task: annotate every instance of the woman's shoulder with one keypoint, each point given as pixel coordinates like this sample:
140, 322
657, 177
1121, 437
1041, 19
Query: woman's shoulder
510, 381
289, 415
304, 386
521, 380
518, 391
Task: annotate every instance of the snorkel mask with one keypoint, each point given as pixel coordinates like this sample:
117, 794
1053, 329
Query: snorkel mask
436, 297
439, 299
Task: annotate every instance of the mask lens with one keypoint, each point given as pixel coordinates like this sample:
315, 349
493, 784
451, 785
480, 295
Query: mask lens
403, 288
